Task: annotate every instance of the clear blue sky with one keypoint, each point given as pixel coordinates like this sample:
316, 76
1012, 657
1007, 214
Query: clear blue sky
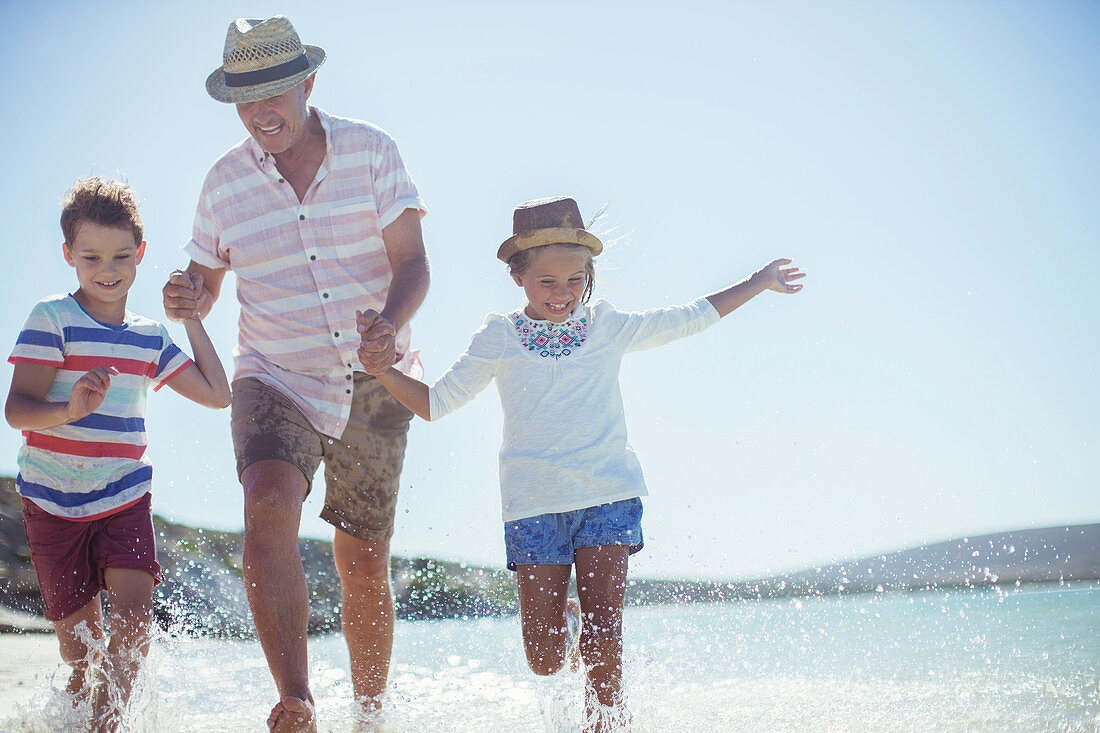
933, 166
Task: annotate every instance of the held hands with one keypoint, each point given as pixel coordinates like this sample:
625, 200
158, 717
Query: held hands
775, 277
182, 295
377, 351
88, 392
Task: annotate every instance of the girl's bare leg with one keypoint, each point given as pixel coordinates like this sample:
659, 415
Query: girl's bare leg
542, 595
601, 585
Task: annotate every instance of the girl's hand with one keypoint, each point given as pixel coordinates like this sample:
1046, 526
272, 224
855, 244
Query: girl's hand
778, 278
88, 392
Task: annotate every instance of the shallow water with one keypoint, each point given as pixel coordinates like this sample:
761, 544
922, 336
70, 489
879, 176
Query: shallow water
990, 660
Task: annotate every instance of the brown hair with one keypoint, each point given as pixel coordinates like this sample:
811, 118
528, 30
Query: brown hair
108, 203
520, 261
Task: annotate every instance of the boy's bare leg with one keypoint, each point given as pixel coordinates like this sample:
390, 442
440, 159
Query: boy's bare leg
74, 650
131, 625
542, 597
367, 615
276, 584
601, 585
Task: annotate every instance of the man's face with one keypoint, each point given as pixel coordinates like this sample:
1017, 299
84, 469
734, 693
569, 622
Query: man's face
278, 123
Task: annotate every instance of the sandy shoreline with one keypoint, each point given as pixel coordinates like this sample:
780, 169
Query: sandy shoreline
27, 661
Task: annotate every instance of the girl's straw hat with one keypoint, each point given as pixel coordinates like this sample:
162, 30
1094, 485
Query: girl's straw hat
263, 58
554, 220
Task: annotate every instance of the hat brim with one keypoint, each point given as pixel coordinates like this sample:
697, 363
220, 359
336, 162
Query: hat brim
551, 235
217, 88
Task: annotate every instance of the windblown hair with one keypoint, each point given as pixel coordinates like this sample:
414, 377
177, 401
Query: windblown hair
108, 203
520, 261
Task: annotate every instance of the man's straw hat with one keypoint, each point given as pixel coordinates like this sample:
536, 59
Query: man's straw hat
263, 58
554, 220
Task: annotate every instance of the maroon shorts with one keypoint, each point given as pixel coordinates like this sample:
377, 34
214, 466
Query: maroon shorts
70, 556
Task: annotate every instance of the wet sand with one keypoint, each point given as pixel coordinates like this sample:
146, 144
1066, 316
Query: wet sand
24, 660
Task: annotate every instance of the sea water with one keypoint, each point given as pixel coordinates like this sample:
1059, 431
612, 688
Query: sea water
1011, 660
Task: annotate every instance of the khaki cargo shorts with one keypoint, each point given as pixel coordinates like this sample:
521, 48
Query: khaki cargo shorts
362, 466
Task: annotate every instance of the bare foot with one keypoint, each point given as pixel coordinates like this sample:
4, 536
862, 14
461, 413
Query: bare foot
370, 719
573, 633
106, 715
293, 715
601, 719
77, 687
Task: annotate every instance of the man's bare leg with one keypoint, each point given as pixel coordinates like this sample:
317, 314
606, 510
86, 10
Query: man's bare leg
367, 615
276, 585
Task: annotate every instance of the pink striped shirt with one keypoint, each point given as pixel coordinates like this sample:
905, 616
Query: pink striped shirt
303, 268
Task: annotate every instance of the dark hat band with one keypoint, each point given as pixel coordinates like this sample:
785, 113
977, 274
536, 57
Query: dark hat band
262, 76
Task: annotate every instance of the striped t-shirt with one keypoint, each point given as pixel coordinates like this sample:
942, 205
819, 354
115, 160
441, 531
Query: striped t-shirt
304, 267
96, 465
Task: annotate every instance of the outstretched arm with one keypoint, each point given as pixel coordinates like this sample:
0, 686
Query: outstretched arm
204, 381
773, 276
410, 392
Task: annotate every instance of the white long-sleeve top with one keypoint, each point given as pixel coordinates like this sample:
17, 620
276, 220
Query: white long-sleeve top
565, 443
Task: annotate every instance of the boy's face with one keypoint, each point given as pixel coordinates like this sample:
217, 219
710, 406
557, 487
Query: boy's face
106, 260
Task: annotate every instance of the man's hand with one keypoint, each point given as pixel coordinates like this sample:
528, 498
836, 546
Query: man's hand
88, 392
376, 350
182, 295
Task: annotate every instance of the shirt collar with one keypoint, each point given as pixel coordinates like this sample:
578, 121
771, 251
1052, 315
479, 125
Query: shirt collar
266, 161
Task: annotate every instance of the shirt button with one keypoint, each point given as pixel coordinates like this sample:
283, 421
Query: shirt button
324, 295
301, 217
347, 391
282, 180
312, 257
336, 334
348, 376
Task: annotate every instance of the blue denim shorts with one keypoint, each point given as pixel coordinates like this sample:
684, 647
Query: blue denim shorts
550, 539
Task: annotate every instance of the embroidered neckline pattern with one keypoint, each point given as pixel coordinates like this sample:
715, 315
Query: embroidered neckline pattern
550, 340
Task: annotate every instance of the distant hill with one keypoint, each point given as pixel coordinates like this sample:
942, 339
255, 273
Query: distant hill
1025, 556
1053, 554
203, 591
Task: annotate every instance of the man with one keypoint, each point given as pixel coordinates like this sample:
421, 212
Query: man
318, 218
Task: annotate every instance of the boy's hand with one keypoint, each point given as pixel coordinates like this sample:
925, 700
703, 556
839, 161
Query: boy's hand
778, 278
377, 351
182, 294
88, 392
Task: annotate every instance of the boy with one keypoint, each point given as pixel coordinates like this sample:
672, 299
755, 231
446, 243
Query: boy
78, 393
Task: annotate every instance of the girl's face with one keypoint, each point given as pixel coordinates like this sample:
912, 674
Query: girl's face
554, 283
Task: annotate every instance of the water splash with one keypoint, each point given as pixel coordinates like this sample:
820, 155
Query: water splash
999, 660
56, 706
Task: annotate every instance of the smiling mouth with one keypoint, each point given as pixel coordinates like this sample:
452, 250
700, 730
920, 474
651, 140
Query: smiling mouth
274, 129
111, 284
558, 309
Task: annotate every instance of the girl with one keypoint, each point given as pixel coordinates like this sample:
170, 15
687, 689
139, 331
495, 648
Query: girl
570, 483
